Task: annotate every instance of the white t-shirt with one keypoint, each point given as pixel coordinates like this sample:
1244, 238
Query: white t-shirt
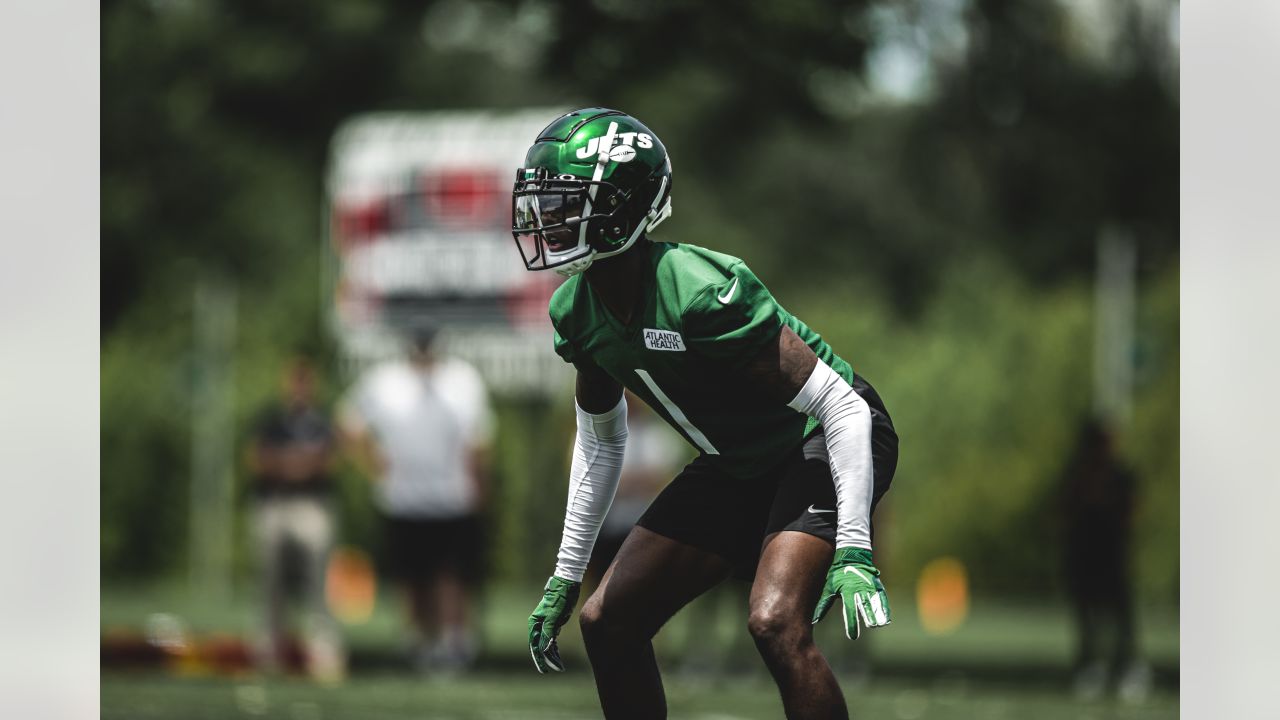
426, 423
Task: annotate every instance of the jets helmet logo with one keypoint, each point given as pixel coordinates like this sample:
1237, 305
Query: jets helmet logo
623, 149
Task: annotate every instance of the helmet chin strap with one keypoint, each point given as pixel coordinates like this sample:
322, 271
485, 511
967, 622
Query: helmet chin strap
660, 215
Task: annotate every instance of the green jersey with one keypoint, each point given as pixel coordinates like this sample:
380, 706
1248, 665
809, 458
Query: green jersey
703, 316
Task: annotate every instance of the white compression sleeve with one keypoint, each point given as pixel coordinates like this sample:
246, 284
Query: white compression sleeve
593, 480
846, 420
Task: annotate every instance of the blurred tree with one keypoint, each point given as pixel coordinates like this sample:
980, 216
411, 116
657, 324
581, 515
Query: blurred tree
219, 115
216, 124
1065, 146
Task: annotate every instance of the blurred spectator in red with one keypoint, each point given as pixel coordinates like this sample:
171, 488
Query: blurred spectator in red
289, 461
1098, 500
421, 429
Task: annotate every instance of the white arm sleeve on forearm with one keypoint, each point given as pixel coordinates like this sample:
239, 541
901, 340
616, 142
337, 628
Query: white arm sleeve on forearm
593, 479
846, 420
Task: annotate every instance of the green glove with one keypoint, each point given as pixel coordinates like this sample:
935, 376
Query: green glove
856, 581
547, 619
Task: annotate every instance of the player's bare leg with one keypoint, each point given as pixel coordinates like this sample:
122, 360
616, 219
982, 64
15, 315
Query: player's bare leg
789, 578
651, 578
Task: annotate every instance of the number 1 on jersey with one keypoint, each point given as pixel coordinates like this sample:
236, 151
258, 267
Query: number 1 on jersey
678, 415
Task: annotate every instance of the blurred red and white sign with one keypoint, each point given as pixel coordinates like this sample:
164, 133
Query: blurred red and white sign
419, 232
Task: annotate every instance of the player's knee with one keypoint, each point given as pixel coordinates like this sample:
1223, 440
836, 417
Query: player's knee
601, 625
592, 619
773, 625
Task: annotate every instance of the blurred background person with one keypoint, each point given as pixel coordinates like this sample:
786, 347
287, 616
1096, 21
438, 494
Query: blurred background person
290, 462
421, 428
1098, 501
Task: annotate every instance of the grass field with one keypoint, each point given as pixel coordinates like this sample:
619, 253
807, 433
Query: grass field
532, 697
1007, 661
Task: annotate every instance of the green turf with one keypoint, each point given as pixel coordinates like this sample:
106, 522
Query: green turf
533, 697
1007, 661
995, 632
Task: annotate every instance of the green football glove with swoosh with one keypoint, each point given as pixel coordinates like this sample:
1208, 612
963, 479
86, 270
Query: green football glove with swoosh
544, 624
856, 581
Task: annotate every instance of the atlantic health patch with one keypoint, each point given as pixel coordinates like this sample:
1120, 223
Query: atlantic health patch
663, 340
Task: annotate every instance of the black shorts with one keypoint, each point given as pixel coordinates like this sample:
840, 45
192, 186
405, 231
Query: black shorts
420, 548
707, 508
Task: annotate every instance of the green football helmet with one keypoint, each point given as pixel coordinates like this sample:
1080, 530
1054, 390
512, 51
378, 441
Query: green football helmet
593, 183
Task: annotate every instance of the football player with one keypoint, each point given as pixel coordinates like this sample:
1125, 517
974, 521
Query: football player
795, 448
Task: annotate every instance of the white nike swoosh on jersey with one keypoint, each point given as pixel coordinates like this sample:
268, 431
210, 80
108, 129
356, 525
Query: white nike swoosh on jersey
725, 298
815, 510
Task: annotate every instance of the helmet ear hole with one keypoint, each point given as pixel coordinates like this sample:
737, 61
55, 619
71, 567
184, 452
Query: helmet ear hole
613, 231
